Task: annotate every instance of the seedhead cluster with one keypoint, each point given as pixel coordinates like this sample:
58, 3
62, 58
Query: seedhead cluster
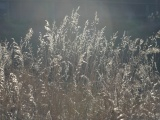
78, 74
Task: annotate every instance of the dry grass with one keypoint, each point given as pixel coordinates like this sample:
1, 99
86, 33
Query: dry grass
77, 74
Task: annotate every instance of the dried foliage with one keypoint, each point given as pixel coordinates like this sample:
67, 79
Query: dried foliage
78, 74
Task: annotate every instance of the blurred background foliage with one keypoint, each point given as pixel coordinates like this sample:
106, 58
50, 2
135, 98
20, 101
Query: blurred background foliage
138, 18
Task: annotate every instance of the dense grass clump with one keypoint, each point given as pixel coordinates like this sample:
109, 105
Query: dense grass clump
78, 74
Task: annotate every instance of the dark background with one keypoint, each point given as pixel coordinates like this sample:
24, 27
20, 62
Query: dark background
17, 16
